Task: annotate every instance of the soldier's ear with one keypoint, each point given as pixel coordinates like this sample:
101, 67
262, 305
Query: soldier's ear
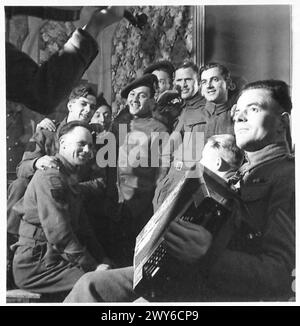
69, 105
219, 163
285, 121
232, 111
230, 84
61, 142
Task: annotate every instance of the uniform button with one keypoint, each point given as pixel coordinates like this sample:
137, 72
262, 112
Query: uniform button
9, 148
250, 236
10, 160
8, 115
16, 143
7, 137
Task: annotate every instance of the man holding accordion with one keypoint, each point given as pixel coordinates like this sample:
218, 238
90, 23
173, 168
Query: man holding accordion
253, 256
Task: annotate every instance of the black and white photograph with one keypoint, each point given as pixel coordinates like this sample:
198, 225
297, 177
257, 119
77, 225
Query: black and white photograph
150, 153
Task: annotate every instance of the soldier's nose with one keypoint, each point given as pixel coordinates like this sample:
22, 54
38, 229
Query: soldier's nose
240, 116
86, 148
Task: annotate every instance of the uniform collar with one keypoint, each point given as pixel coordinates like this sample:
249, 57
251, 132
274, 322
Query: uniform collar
156, 115
265, 154
216, 109
65, 166
61, 124
146, 115
194, 101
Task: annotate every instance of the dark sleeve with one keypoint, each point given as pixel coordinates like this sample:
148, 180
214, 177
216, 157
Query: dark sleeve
88, 236
170, 149
163, 166
34, 150
42, 88
54, 214
93, 181
94, 187
266, 274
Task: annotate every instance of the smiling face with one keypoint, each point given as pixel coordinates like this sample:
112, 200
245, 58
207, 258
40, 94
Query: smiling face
137, 99
257, 120
76, 146
163, 78
187, 79
214, 86
102, 116
82, 108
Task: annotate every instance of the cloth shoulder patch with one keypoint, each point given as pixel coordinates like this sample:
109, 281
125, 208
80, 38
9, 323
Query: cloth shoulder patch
59, 194
58, 190
56, 182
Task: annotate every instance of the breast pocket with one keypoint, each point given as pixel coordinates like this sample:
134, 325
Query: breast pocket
256, 198
195, 123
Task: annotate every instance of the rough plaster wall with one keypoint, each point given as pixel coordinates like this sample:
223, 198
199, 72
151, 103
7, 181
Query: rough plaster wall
168, 35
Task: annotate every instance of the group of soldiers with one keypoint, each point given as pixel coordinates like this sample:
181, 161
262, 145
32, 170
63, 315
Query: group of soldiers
72, 223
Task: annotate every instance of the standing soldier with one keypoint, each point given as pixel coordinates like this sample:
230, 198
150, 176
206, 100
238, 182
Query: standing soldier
136, 181
164, 71
215, 84
210, 115
166, 111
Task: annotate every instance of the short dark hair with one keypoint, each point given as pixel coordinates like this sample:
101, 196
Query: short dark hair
163, 65
278, 89
170, 77
71, 125
101, 101
82, 90
188, 64
223, 70
225, 144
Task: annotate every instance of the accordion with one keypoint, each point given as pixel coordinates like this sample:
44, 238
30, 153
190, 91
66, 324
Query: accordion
204, 199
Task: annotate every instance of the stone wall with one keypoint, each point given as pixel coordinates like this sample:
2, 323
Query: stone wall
167, 36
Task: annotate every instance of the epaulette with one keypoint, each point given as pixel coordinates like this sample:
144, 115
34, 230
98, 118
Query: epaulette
290, 157
56, 182
60, 167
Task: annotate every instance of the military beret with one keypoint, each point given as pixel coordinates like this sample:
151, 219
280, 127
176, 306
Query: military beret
148, 80
82, 90
165, 65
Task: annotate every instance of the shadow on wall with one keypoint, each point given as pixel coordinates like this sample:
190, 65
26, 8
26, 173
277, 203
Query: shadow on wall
252, 41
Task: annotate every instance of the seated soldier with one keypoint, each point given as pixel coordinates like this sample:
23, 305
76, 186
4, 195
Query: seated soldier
43, 146
100, 123
56, 245
254, 258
